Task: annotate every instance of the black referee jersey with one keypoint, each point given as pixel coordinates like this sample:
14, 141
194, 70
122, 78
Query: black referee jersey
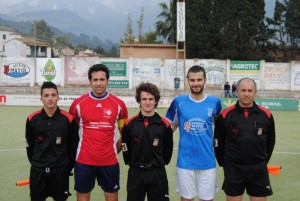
51, 141
147, 142
245, 136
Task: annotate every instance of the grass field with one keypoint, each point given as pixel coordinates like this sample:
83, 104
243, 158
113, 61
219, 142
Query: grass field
15, 166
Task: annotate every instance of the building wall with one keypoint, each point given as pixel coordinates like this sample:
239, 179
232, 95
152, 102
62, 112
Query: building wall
149, 51
8, 36
17, 49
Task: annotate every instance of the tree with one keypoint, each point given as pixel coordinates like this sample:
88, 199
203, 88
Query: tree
277, 24
150, 38
140, 25
114, 52
62, 41
167, 26
293, 22
41, 30
80, 47
223, 28
100, 50
202, 35
128, 36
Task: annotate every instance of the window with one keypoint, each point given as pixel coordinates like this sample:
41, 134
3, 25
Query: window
4, 37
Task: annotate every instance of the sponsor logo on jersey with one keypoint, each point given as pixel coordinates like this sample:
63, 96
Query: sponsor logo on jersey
196, 126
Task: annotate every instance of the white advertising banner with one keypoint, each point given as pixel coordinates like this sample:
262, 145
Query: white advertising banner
146, 70
76, 69
50, 69
215, 71
66, 100
173, 70
242, 69
17, 72
180, 21
276, 76
295, 76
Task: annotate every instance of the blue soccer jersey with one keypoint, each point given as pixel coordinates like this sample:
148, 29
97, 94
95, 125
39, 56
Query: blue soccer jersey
195, 120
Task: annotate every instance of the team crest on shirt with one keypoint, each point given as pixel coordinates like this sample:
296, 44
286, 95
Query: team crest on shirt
124, 147
155, 142
196, 126
58, 140
187, 126
210, 112
260, 131
107, 113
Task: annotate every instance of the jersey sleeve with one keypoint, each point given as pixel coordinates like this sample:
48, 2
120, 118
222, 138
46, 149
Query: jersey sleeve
219, 139
168, 144
29, 140
126, 144
73, 111
218, 107
73, 143
171, 114
271, 138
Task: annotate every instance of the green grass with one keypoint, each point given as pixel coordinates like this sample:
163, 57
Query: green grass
15, 166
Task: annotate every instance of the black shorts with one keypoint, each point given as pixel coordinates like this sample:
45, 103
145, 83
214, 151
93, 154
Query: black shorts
152, 182
49, 182
254, 178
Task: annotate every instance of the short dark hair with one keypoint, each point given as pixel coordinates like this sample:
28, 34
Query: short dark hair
196, 69
48, 85
96, 68
149, 88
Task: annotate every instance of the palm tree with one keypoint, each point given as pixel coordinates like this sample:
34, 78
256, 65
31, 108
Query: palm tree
167, 27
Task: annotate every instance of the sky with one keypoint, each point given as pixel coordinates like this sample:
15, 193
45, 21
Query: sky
269, 3
9, 2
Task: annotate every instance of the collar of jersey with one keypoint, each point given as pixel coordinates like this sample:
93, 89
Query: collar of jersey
94, 96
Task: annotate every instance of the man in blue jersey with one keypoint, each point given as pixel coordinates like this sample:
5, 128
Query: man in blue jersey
194, 114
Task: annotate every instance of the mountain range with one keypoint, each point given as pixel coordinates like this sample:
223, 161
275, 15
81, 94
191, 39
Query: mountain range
105, 19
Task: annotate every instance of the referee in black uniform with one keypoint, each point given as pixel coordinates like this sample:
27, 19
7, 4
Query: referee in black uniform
52, 139
147, 145
244, 139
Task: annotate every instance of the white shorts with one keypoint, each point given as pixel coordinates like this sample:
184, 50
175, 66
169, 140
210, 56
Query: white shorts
190, 183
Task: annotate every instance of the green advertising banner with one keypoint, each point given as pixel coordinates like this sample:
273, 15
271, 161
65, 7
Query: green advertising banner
242, 69
115, 68
271, 104
118, 84
245, 65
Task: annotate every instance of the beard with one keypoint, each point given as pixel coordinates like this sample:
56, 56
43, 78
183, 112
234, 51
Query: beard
197, 92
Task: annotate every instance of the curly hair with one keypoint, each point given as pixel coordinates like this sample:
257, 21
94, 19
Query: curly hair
149, 88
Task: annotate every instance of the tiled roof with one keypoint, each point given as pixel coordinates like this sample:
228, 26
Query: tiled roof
6, 28
148, 45
32, 42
